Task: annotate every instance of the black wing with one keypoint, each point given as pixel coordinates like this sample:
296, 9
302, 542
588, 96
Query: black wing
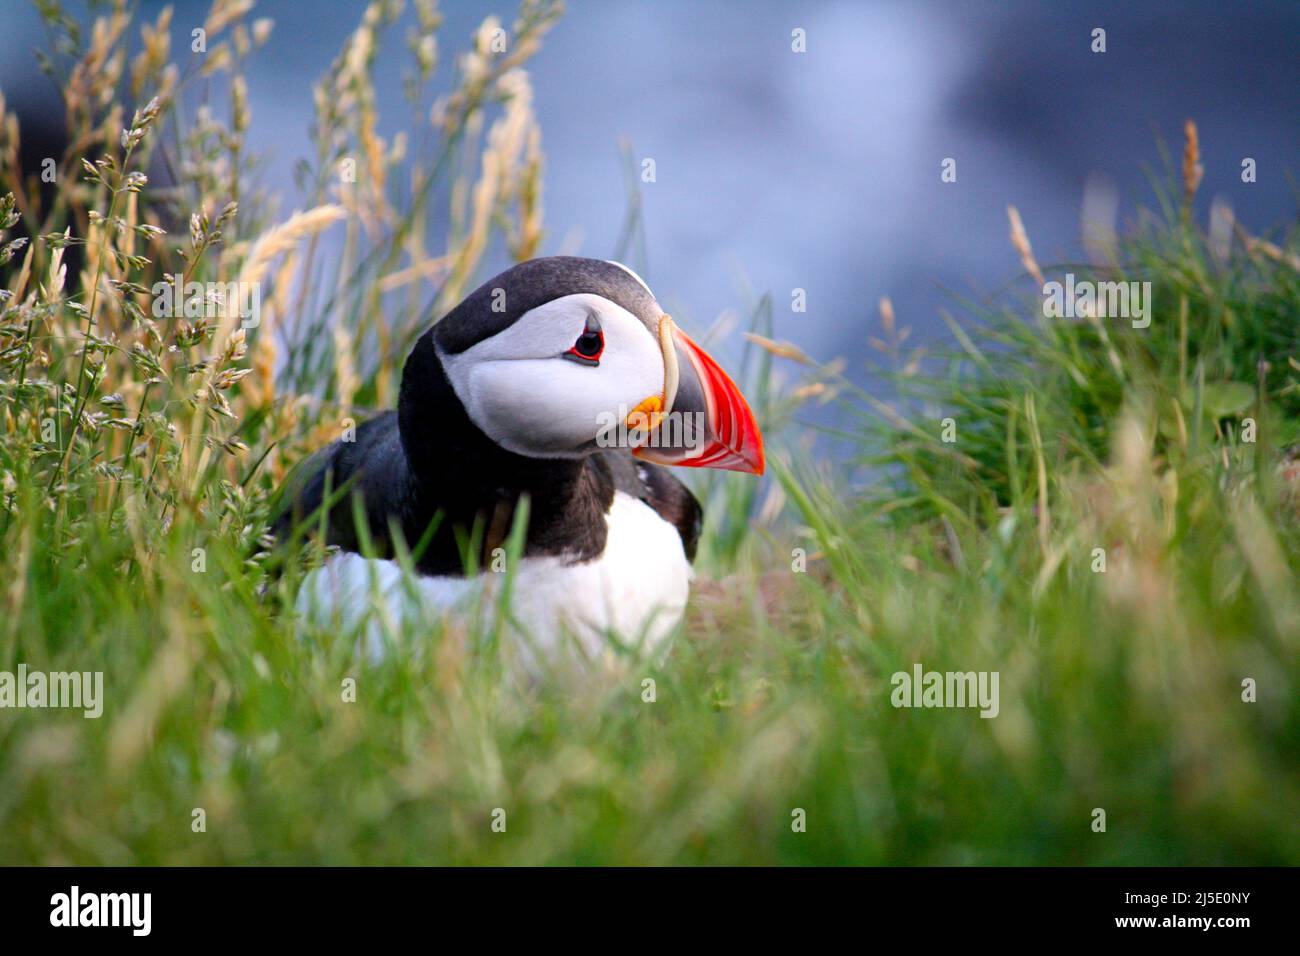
372, 465
565, 518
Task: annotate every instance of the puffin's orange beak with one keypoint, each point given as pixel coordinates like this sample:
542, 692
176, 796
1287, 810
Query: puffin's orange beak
705, 421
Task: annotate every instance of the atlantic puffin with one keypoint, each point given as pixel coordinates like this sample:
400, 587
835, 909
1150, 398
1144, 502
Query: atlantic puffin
561, 379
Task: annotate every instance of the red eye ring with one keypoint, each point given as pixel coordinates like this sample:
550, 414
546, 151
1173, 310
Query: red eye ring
589, 347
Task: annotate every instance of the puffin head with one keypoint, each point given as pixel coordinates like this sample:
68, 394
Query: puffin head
560, 356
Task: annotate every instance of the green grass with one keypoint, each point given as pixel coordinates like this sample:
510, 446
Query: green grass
1119, 690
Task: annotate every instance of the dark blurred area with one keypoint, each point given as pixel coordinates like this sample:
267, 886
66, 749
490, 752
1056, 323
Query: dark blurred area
820, 170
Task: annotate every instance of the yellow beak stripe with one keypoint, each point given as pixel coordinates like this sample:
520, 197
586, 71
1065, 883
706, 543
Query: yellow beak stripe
650, 411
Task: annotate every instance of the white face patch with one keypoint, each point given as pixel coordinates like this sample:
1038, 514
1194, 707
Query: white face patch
517, 388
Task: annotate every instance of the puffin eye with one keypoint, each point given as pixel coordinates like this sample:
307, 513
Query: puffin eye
589, 345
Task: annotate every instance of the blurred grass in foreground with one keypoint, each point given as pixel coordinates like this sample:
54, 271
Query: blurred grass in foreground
1119, 691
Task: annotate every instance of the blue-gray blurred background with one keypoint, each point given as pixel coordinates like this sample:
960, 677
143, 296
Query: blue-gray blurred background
821, 170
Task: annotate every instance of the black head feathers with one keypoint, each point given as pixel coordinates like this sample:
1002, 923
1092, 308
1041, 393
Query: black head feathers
498, 303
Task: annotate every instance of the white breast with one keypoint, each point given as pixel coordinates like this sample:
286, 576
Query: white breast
635, 593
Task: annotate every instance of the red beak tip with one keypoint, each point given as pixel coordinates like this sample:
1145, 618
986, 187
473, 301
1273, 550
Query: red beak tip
738, 443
